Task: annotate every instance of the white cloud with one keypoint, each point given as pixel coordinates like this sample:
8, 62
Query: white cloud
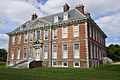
4, 41
18, 10
2, 26
110, 24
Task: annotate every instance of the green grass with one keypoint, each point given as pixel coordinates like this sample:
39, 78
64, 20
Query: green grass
103, 72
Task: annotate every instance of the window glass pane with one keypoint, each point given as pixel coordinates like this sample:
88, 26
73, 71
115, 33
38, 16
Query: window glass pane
65, 63
65, 16
46, 34
76, 63
76, 46
64, 32
25, 52
31, 36
65, 47
38, 34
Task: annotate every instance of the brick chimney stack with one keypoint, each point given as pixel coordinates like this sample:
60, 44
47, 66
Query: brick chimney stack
80, 7
66, 7
34, 16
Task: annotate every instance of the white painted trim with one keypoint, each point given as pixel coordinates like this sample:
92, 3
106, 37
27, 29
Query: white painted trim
63, 64
74, 49
66, 50
73, 26
12, 53
87, 51
47, 34
74, 64
18, 54
67, 32
56, 51
45, 53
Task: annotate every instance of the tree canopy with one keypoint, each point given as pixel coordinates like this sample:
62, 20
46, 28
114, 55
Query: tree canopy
113, 52
3, 54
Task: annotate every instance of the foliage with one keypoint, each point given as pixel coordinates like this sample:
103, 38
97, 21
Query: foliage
103, 72
113, 52
3, 54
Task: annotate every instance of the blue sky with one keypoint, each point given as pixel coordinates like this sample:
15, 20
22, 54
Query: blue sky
13, 13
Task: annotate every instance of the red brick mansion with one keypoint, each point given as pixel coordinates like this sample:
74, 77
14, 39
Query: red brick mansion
67, 39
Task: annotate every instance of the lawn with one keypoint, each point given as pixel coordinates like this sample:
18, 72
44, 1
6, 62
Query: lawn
103, 72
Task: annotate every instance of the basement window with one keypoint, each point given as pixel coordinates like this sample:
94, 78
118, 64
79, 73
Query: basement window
65, 64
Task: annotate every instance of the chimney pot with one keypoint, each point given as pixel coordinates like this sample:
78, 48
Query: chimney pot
80, 7
66, 7
34, 16
87, 14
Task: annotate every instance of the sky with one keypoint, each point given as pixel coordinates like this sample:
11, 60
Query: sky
13, 13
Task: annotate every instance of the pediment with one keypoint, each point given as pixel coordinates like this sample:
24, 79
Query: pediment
38, 24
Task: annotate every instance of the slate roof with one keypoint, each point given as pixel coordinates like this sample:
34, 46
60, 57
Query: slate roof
73, 14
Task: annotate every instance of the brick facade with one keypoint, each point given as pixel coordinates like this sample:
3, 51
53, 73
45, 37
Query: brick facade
84, 40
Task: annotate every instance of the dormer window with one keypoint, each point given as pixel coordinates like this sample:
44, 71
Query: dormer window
21, 27
65, 16
55, 19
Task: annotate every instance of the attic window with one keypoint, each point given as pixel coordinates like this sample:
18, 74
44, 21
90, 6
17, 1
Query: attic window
65, 16
21, 27
55, 19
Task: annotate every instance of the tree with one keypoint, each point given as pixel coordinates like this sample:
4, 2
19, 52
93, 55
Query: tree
113, 52
3, 54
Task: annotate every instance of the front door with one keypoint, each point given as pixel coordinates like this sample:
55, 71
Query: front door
37, 54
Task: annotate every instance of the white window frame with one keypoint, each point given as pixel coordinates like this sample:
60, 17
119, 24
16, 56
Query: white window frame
65, 16
25, 38
75, 65
93, 33
74, 51
45, 34
54, 55
76, 30
63, 64
64, 52
91, 50
18, 53
12, 53
25, 56
65, 32
90, 30
56, 63
54, 33
19, 39
31, 37
36, 34
55, 19
13, 40
31, 51
94, 51
45, 56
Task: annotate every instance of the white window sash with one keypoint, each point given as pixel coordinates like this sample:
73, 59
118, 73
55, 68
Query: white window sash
45, 52
64, 32
63, 64
13, 40
65, 16
54, 34
45, 34
18, 55
76, 30
75, 65
12, 52
55, 19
